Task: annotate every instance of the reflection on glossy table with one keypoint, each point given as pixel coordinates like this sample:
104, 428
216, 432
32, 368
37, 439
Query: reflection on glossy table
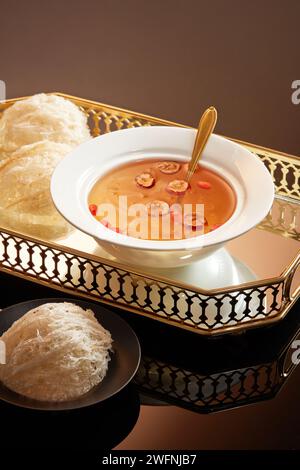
190, 392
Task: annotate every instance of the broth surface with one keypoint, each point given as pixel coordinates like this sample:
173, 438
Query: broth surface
206, 188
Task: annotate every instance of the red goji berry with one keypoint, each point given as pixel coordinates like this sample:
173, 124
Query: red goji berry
204, 184
93, 209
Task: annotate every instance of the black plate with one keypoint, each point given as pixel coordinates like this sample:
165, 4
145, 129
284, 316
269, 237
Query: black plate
122, 367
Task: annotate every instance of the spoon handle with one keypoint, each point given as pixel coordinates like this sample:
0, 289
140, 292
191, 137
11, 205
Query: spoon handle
205, 129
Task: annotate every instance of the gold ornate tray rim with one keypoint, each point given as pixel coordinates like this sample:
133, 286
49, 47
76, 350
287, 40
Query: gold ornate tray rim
285, 278
155, 277
85, 101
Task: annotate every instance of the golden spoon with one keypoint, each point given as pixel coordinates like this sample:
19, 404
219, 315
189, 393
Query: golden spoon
206, 127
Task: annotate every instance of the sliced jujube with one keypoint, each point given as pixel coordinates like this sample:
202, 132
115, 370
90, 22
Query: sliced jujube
158, 207
145, 180
168, 168
195, 221
177, 187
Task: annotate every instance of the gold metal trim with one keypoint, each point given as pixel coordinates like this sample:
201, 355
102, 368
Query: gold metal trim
274, 292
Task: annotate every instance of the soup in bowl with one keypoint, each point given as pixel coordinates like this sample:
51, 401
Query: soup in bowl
151, 199
128, 190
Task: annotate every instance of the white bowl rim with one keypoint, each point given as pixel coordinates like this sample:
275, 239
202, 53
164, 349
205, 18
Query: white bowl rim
72, 180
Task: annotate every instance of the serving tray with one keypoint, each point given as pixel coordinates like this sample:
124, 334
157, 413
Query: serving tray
253, 282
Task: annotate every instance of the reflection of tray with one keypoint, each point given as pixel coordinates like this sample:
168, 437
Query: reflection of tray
92, 274
246, 376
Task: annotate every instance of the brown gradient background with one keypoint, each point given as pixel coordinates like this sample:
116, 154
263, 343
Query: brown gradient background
173, 58
169, 58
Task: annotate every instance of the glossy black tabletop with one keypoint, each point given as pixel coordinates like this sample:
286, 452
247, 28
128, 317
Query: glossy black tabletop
231, 392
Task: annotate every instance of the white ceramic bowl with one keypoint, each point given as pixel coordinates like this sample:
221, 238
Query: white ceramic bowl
76, 174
